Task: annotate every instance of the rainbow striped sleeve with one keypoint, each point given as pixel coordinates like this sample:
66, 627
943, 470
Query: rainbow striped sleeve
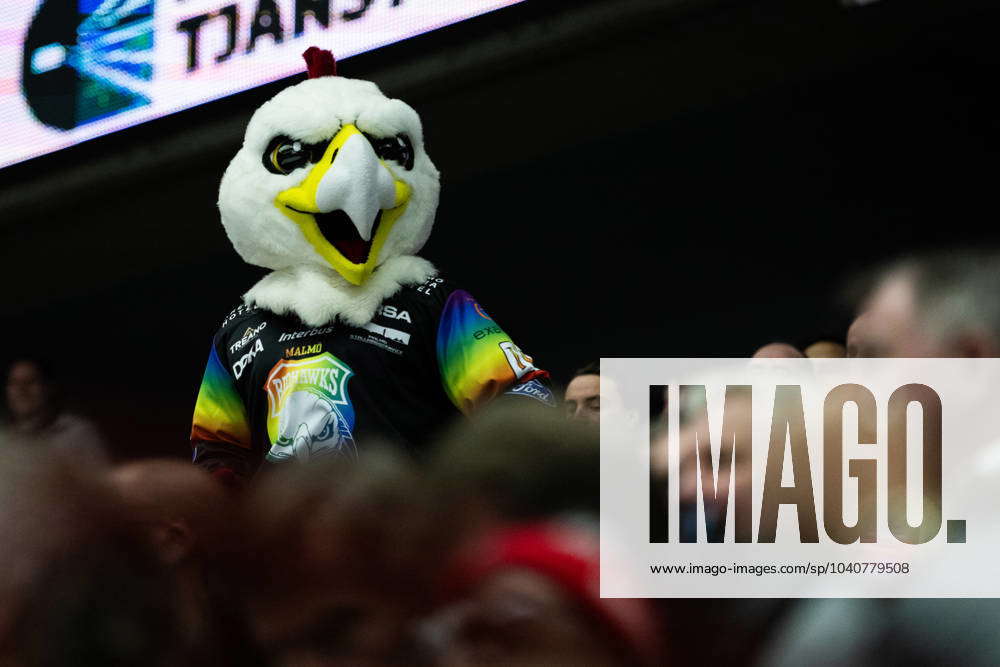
476, 358
219, 415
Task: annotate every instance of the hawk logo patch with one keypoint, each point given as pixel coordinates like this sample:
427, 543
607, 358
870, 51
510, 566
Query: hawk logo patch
309, 411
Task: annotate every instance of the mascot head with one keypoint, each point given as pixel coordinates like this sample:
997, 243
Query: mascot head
332, 173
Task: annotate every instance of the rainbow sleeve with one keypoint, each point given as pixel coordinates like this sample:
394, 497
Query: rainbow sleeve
476, 358
219, 415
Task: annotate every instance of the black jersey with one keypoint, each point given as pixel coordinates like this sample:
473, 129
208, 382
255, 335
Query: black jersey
275, 389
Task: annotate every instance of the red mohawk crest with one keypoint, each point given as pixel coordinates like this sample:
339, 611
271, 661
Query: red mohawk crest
319, 62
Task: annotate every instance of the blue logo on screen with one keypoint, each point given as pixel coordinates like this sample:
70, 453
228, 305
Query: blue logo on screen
88, 60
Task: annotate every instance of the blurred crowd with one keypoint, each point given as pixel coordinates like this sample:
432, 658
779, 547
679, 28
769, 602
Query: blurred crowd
482, 552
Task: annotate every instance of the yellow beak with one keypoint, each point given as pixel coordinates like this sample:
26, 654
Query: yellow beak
350, 199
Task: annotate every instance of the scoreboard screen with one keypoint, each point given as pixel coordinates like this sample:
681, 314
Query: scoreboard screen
73, 70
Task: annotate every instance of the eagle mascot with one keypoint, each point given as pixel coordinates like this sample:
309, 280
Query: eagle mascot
351, 337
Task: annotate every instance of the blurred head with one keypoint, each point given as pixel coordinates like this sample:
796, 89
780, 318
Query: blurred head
106, 602
825, 349
190, 523
528, 595
337, 561
72, 504
859, 341
583, 394
29, 389
516, 461
938, 305
77, 586
777, 351
891, 325
183, 511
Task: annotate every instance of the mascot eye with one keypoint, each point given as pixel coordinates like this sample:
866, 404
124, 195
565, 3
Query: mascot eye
397, 149
284, 155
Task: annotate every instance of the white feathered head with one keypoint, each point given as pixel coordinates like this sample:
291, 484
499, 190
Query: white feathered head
331, 173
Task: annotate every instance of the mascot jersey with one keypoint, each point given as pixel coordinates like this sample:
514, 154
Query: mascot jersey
277, 389
351, 336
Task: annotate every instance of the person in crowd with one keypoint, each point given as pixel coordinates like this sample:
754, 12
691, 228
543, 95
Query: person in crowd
583, 393
337, 562
942, 304
521, 488
938, 305
695, 625
859, 343
516, 462
36, 417
825, 349
191, 523
527, 594
778, 351
582, 399
171, 498
78, 585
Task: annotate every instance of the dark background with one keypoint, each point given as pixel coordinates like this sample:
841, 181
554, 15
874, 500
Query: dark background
634, 178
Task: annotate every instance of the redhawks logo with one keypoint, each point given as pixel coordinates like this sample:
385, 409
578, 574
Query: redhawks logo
309, 411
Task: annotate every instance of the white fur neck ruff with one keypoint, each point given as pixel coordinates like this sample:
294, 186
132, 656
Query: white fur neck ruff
318, 295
